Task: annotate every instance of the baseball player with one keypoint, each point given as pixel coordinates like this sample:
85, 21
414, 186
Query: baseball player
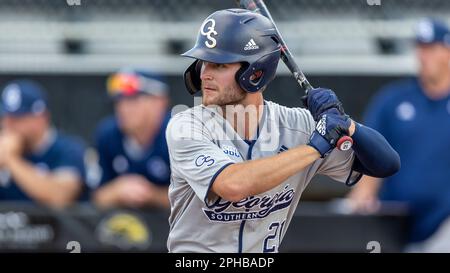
240, 163
131, 144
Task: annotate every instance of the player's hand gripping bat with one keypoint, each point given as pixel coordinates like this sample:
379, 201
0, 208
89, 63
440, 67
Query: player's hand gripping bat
345, 142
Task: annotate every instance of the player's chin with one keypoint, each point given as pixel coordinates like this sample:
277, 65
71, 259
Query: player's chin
209, 99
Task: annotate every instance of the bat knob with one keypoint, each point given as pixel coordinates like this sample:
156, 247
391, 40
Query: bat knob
344, 143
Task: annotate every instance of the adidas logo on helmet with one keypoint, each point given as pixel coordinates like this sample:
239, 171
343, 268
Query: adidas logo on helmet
251, 45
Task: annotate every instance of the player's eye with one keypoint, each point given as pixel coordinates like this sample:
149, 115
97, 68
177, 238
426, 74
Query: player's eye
220, 65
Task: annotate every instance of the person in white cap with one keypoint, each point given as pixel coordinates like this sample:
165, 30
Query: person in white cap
37, 163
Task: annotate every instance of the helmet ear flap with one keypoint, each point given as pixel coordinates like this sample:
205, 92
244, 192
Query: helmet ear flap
249, 79
192, 77
238, 76
255, 76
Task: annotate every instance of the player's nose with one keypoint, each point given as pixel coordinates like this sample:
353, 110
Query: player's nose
206, 71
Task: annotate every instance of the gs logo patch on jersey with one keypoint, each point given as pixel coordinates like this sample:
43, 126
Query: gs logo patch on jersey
230, 150
204, 160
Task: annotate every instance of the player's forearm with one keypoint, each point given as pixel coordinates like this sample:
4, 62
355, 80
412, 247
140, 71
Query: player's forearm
106, 196
367, 186
370, 183
160, 198
364, 196
44, 188
257, 176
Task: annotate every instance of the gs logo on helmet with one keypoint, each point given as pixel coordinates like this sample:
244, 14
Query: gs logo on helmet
210, 31
258, 59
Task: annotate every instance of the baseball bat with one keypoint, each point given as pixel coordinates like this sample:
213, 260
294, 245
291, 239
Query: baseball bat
258, 6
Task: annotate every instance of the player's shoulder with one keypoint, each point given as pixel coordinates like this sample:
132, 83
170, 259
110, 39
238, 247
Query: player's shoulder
399, 89
107, 128
392, 94
183, 123
293, 118
65, 142
108, 125
177, 117
194, 114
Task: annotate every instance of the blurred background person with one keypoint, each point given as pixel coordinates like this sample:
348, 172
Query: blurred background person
133, 155
414, 115
37, 162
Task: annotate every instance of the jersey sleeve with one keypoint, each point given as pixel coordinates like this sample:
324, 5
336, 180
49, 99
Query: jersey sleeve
104, 156
164, 180
338, 166
194, 156
71, 158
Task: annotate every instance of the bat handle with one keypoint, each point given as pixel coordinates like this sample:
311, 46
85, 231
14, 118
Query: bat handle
344, 143
301, 79
307, 86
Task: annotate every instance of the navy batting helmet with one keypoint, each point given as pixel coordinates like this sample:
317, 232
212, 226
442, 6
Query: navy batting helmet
232, 36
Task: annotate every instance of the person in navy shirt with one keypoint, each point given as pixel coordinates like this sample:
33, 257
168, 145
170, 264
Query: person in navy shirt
414, 116
36, 162
133, 154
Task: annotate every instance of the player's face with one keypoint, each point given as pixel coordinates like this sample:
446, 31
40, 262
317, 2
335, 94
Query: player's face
139, 112
434, 61
27, 127
219, 86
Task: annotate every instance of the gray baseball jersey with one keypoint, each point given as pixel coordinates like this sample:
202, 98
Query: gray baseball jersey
201, 144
